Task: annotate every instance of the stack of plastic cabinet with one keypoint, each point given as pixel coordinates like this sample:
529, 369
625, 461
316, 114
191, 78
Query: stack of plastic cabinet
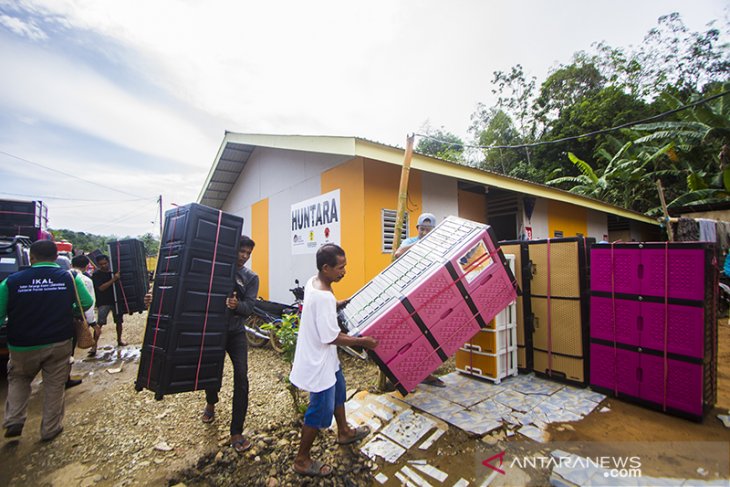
492, 353
433, 299
128, 258
185, 339
654, 325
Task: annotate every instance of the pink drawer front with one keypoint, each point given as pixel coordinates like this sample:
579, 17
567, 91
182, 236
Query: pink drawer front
686, 273
394, 330
628, 315
684, 326
414, 363
623, 269
439, 304
615, 369
684, 383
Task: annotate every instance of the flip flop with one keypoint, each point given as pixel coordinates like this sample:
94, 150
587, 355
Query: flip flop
241, 446
314, 470
207, 416
360, 433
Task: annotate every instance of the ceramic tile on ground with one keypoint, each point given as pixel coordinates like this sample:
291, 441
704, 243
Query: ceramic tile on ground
571, 400
432, 471
491, 409
408, 428
536, 386
473, 422
382, 447
431, 439
518, 401
414, 477
432, 404
534, 433
557, 414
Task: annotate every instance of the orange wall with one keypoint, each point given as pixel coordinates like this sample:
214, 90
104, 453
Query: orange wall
383, 182
570, 219
349, 179
472, 206
260, 235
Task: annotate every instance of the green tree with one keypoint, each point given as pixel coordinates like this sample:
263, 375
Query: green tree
151, 244
441, 144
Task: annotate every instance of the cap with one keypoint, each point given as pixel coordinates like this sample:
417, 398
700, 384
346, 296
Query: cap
424, 217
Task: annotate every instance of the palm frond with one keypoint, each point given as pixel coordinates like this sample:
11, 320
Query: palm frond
583, 166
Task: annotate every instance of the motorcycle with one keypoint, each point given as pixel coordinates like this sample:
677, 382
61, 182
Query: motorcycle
270, 312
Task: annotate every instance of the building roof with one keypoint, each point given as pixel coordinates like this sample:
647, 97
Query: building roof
236, 149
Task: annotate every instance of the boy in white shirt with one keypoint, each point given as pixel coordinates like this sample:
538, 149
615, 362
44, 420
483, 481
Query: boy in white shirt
316, 366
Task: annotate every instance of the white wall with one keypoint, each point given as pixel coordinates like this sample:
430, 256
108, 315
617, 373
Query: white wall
539, 220
597, 225
285, 177
439, 195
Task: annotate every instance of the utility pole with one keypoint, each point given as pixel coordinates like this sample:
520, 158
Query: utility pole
159, 200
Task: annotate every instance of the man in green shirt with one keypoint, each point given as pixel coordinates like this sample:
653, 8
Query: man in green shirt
39, 306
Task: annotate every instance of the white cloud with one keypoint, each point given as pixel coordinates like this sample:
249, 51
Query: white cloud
51, 88
25, 29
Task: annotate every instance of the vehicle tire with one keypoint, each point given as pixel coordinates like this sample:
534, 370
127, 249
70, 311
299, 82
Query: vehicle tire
276, 343
254, 340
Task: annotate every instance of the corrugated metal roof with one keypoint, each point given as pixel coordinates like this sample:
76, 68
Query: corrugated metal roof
236, 149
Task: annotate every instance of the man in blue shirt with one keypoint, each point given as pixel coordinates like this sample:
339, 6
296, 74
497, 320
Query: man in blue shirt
426, 222
38, 303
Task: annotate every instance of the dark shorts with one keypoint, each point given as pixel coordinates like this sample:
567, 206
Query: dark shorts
322, 404
103, 312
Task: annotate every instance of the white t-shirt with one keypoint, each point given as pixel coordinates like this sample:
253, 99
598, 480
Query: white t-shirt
315, 358
89, 313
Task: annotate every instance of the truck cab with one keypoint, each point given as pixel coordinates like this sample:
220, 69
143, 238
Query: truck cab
14, 256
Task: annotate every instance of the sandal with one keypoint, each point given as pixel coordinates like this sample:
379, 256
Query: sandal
314, 469
241, 445
207, 416
360, 433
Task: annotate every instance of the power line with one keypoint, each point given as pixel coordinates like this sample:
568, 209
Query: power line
46, 197
68, 174
589, 134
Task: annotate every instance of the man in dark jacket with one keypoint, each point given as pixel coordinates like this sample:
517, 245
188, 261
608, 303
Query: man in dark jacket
38, 303
241, 305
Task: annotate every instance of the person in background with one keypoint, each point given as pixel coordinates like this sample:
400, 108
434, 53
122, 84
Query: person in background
104, 281
79, 264
316, 367
39, 303
426, 222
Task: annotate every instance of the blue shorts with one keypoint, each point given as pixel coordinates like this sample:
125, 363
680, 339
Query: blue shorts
322, 404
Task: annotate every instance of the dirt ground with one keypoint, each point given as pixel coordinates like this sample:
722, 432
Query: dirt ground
115, 436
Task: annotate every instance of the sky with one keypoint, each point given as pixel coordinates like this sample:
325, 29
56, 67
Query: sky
106, 105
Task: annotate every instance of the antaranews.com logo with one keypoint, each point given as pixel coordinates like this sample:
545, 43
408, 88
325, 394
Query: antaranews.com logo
612, 466
603, 463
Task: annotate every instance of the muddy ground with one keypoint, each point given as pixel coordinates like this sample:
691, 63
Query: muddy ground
116, 436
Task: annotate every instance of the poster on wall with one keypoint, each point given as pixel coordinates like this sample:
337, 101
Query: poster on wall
315, 222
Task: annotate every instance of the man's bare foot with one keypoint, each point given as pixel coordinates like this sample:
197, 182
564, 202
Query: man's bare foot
121, 343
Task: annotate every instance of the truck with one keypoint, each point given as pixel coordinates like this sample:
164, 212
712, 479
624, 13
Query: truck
26, 218
21, 223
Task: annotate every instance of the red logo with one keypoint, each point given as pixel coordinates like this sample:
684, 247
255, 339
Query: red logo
488, 462
327, 232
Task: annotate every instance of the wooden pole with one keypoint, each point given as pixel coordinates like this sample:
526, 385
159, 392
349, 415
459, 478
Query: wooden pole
403, 193
670, 233
400, 214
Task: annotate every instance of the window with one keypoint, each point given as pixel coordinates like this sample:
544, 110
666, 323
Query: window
387, 217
